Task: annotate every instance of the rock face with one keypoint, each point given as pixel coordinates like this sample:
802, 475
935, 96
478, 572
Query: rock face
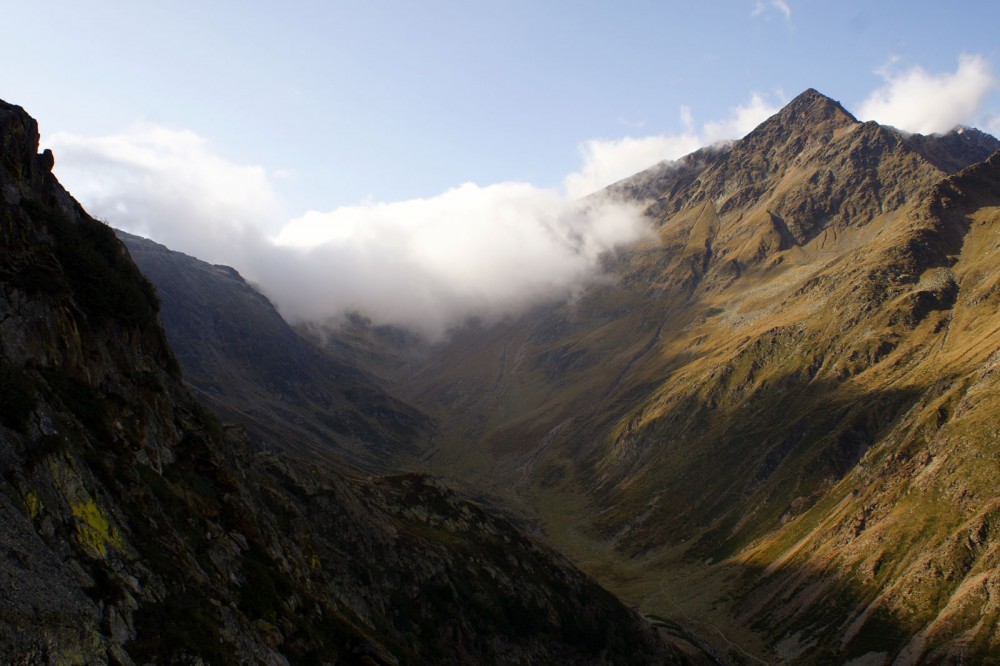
136, 529
790, 388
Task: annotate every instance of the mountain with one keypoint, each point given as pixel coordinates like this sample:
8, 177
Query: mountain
776, 422
782, 405
245, 362
137, 529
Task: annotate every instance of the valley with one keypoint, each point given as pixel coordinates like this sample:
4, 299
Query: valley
769, 431
780, 410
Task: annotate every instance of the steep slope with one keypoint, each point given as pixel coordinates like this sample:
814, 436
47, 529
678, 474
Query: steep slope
251, 367
794, 314
136, 530
903, 555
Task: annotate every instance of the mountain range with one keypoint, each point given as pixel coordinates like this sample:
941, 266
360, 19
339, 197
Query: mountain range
241, 358
772, 430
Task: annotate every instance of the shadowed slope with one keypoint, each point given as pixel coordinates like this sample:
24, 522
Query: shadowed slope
250, 366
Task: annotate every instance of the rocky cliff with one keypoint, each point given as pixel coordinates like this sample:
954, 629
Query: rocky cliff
137, 529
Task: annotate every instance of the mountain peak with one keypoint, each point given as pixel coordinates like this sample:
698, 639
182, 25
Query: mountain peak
812, 106
811, 116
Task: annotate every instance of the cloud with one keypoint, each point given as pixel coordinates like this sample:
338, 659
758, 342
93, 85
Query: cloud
918, 101
427, 264
760, 7
430, 263
744, 118
167, 184
606, 161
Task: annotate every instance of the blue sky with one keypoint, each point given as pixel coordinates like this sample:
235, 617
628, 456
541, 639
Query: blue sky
345, 108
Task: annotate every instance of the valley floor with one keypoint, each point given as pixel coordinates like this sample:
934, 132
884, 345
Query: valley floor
667, 585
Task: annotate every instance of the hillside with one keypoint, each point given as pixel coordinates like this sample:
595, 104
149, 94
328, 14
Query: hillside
786, 394
136, 529
249, 366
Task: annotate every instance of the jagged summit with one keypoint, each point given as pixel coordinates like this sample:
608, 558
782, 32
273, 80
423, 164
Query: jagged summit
19, 153
808, 169
814, 105
953, 151
807, 121
810, 112
811, 115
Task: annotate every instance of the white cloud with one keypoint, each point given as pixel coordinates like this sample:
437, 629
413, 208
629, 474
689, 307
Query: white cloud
918, 101
886, 69
168, 185
760, 7
993, 126
425, 263
428, 264
743, 120
606, 161
687, 119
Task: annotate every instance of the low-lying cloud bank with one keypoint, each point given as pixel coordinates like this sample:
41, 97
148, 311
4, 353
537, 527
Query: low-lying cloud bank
167, 185
427, 264
431, 263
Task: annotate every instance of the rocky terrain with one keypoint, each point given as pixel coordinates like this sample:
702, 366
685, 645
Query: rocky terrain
137, 529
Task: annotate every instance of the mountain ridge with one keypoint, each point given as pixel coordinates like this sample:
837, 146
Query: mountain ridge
249, 366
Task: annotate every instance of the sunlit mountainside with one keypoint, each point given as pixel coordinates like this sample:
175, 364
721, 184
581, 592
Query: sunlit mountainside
791, 384
788, 391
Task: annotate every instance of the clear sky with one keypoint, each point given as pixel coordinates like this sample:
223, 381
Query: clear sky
272, 110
